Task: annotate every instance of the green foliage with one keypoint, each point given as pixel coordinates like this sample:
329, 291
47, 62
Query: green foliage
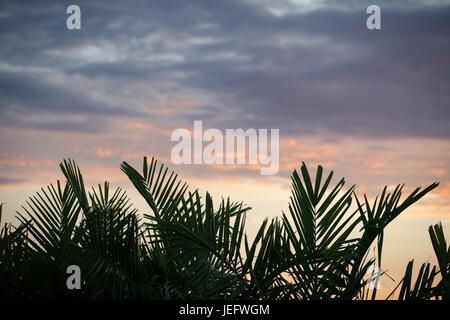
186, 247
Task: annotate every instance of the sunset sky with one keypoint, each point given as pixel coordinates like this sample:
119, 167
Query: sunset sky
372, 105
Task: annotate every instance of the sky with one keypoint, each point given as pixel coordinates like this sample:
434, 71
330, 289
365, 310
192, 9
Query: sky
371, 105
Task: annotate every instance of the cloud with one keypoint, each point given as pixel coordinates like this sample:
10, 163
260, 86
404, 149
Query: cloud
9, 181
306, 72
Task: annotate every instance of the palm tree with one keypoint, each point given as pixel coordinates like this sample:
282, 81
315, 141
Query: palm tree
185, 247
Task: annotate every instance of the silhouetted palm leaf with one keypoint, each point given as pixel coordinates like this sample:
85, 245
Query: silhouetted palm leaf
186, 247
423, 288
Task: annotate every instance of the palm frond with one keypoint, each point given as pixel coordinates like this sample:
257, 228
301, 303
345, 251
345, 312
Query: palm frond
319, 234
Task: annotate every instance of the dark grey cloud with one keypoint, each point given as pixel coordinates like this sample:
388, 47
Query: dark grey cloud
254, 63
8, 180
28, 101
